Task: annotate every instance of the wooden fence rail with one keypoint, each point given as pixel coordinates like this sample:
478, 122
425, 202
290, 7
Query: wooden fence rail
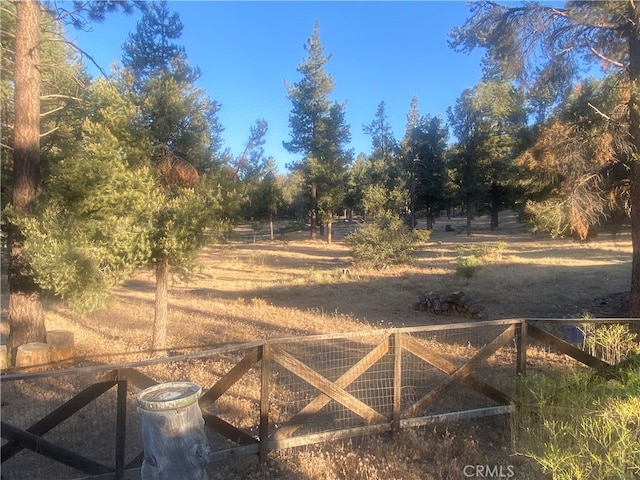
396, 350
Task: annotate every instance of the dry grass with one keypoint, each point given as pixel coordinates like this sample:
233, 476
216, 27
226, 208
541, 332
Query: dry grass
248, 291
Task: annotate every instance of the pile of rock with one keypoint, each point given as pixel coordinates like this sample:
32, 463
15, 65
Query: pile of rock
456, 303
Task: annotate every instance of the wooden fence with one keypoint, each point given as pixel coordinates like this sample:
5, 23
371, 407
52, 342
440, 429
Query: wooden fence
307, 390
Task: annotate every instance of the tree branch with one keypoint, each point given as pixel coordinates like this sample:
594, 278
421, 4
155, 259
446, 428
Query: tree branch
6, 11
603, 57
49, 132
42, 115
59, 96
78, 49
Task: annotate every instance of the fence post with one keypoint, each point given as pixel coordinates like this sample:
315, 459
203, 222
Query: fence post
265, 377
121, 428
521, 347
396, 345
175, 444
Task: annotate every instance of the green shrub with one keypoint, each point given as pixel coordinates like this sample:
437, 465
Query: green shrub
421, 236
292, 227
467, 267
610, 343
583, 425
383, 242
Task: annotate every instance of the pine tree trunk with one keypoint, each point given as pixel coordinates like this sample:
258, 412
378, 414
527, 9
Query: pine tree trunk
634, 130
495, 206
162, 288
314, 210
271, 227
329, 231
26, 317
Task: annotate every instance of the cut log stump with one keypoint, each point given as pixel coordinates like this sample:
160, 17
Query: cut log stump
175, 443
61, 345
3, 357
33, 357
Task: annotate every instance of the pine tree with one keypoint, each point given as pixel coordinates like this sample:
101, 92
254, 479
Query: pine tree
524, 44
319, 132
183, 127
488, 121
28, 71
92, 222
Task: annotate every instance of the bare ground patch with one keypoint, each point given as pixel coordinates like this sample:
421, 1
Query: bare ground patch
243, 291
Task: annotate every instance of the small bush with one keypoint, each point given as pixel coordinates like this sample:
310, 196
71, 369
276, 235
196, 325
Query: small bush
582, 425
422, 236
291, 227
467, 267
611, 343
386, 241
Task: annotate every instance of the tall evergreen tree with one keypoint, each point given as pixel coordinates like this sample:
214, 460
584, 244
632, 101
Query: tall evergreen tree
544, 44
91, 224
319, 132
25, 305
423, 163
429, 138
257, 174
379, 178
182, 125
383, 144
488, 121
573, 177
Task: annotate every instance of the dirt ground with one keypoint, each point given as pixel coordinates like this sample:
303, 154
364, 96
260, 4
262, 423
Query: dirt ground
295, 286
246, 290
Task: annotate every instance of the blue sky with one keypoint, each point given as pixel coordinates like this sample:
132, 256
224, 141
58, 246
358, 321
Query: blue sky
379, 51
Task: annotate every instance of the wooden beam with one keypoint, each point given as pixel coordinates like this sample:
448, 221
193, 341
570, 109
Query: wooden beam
457, 416
58, 416
136, 378
54, 452
227, 381
521, 349
331, 436
321, 400
227, 430
121, 429
265, 380
326, 386
462, 372
566, 348
424, 353
398, 341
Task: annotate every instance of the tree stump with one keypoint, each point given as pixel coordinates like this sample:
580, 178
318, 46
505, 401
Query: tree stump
175, 444
61, 345
3, 357
33, 357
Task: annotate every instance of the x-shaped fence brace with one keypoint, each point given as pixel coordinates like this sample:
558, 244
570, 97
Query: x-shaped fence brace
32, 437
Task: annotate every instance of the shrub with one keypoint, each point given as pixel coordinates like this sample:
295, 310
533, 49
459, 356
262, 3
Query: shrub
291, 227
385, 241
467, 267
611, 343
421, 236
583, 425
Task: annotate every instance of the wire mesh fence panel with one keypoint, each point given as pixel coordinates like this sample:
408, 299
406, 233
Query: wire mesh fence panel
317, 387
455, 369
52, 408
332, 384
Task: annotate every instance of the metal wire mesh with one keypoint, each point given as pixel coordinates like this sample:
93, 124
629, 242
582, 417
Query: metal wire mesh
316, 386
